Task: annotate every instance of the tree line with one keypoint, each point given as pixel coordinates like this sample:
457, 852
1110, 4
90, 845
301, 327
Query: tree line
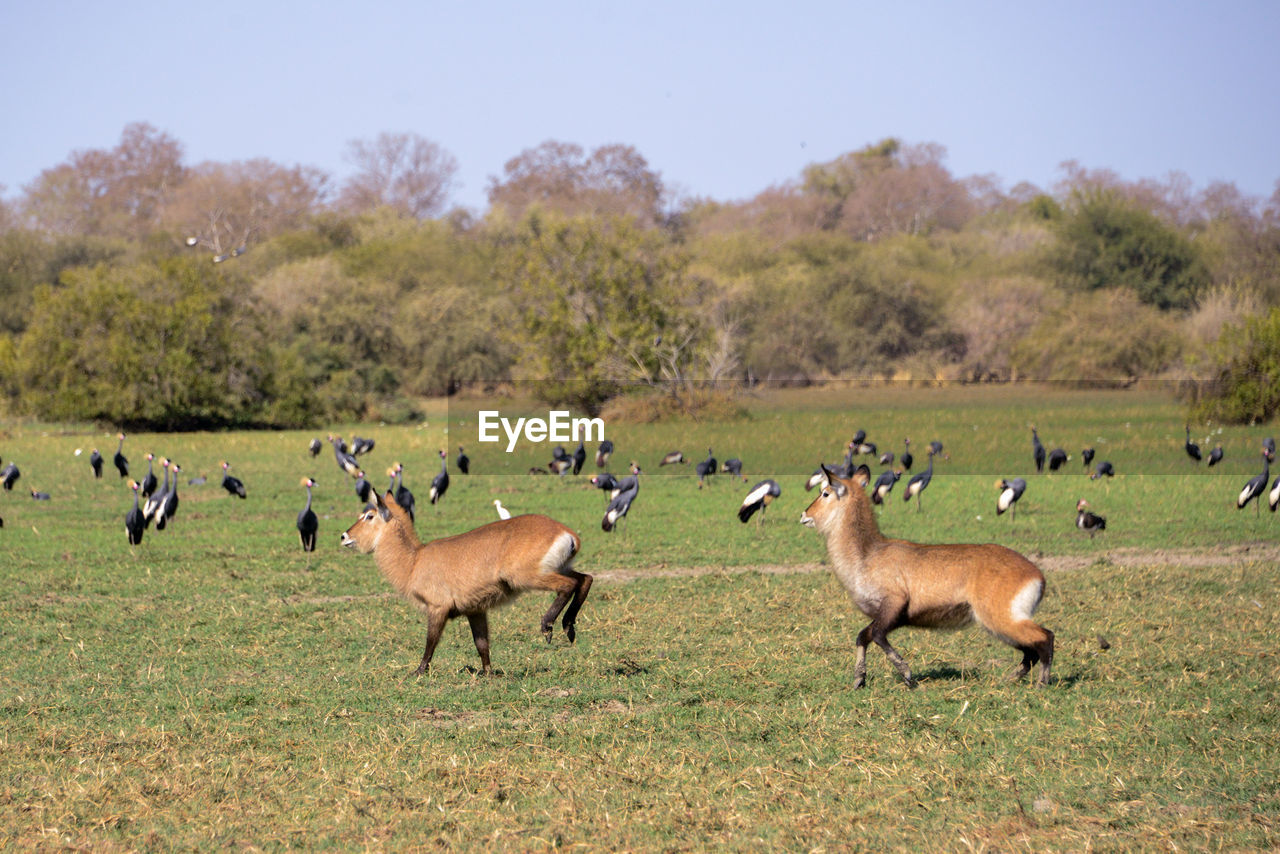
138, 290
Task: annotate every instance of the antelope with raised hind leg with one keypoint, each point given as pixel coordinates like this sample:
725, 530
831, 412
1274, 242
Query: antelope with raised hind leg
467, 574
899, 583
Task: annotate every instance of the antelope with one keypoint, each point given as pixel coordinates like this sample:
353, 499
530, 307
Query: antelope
899, 583
467, 574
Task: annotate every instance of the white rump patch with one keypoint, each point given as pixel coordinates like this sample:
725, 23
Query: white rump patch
560, 553
1028, 599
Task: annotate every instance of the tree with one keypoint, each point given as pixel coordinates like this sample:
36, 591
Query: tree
1107, 242
1246, 388
887, 189
615, 180
604, 304
173, 345
33, 258
1104, 337
120, 192
993, 315
403, 171
227, 206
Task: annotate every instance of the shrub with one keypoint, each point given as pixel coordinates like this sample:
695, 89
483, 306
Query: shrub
1246, 387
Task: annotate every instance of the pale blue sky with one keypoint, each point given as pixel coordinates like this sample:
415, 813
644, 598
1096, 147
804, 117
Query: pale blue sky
723, 99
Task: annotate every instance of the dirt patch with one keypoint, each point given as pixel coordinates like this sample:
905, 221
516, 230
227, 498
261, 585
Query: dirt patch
625, 576
1224, 556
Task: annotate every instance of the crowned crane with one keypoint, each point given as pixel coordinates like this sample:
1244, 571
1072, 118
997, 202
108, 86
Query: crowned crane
462, 461
364, 488
503, 513
134, 522
37, 495
149, 482
620, 505
9, 476
858, 438
403, 496
1087, 456
884, 485
603, 453
315, 446
673, 458
1215, 456
1010, 492
169, 509
919, 483
1256, 485
1103, 469
95, 463
120, 460
733, 466
232, 485
845, 469
308, 524
1037, 451
579, 457
1273, 497
1087, 521
361, 445
758, 499
345, 460
1193, 450
1269, 445
605, 482
440, 483
156, 499
560, 465
1057, 459
906, 459
887, 458
705, 468
935, 448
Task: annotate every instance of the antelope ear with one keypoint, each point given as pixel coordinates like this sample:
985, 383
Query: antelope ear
862, 476
833, 481
383, 510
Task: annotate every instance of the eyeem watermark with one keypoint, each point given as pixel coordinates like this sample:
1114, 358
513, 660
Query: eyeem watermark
556, 427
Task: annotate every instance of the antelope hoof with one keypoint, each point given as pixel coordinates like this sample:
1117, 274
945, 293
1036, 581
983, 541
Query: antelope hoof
570, 632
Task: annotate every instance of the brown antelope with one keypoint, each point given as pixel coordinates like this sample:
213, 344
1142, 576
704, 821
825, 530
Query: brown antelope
467, 574
900, 583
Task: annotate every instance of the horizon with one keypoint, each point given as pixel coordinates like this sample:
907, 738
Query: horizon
747, 100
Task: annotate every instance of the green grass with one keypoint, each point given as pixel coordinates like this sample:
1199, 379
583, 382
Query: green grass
215, 688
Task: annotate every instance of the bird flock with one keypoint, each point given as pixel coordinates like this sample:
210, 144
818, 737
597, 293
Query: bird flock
155, 499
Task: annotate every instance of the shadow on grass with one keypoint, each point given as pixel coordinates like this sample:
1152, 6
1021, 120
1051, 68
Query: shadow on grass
952, 674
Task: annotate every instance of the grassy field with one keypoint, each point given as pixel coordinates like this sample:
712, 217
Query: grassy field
216, 687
